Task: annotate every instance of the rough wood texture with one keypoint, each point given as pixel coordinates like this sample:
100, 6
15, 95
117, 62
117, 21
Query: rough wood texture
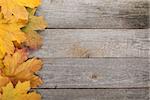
96, 13
95, 73
94, 94
108, 33
94, 43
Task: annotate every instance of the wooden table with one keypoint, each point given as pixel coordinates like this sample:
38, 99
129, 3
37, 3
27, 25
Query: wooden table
95, 50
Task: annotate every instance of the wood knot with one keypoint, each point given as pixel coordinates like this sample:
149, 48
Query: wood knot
94, 77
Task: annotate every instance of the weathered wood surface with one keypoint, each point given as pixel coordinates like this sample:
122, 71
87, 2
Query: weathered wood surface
95, 73
95, 28
94, 43
149, 61
96, 13
94, 94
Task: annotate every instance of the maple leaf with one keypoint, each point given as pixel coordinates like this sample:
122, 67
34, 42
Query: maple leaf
17, 7
1, 64
10, 31
19, 92
3, 82
18, 67
35, 23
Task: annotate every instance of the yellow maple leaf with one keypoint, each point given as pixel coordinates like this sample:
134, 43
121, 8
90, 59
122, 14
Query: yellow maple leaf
18, 67
35, 23
19, 92
17, 7
10, 30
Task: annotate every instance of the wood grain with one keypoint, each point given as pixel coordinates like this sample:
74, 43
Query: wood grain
96, 13
94, 50
94, 94
95, 73
94, 43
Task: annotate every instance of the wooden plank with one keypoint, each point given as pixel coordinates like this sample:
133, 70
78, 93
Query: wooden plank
149, 92
95, 73
94, 94
94, 43
149, 70
96, 13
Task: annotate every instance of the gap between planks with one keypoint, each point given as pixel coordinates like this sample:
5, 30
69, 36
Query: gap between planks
93, 88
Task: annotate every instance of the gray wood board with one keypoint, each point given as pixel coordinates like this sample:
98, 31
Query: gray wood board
96, 13
94, 43
94, 94
95, 73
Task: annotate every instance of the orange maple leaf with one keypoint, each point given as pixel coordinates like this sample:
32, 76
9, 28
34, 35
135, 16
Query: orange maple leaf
18, 67
33, 39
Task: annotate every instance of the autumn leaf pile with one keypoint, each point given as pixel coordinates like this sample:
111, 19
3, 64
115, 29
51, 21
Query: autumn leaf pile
18, 35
